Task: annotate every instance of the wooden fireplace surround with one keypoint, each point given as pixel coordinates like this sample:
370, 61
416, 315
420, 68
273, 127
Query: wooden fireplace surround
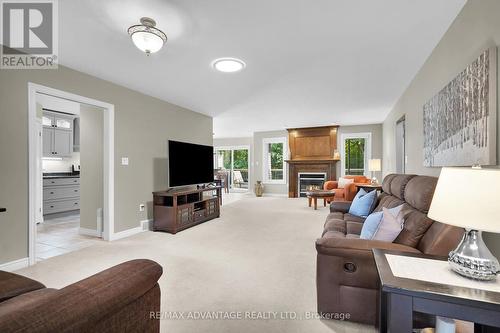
311, 150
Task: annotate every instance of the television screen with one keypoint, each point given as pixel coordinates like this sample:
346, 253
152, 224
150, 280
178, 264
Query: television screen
190, 164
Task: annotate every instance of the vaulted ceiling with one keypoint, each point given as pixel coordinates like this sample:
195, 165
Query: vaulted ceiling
308, 62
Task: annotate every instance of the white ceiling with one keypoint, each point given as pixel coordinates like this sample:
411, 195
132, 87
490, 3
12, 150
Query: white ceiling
308, 62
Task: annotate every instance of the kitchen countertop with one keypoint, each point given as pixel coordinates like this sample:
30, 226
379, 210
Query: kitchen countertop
60, 175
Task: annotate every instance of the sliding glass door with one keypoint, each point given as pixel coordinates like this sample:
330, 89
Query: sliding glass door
233, 161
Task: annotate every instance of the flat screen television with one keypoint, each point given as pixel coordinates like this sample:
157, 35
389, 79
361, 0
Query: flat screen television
190, 164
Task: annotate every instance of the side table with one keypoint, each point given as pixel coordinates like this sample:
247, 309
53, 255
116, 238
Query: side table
369, 187
436, 291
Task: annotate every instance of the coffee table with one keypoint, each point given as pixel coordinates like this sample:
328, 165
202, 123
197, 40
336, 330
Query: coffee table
313, 196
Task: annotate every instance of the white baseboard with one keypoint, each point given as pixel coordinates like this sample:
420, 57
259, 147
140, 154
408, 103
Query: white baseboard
280, 195
145, 225
14, 265
89, 232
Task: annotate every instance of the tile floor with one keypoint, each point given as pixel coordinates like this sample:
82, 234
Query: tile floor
60, 235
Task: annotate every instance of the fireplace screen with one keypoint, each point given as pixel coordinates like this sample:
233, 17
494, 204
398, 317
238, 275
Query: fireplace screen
310, 180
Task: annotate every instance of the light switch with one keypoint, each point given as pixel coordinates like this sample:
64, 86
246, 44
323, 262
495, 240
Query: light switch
124, 160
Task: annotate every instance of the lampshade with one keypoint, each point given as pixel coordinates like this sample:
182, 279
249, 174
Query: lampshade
454, 203
146, 37
374, 165
147, 41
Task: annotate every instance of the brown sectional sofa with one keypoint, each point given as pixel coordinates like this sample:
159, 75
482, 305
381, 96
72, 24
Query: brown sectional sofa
119, 299
347, 279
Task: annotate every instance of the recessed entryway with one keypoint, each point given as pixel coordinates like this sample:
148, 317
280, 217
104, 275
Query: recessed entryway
71, 172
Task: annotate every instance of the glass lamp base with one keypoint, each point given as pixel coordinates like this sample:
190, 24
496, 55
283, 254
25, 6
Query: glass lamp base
473, 259
374, 181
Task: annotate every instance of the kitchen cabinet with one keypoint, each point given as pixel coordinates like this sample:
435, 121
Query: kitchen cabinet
48, 142
76, 134
61, 194
57, 134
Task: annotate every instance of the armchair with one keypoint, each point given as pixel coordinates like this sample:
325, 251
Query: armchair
349, 191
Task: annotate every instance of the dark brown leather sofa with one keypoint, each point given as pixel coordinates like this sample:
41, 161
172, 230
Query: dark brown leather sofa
347, 280
119, 299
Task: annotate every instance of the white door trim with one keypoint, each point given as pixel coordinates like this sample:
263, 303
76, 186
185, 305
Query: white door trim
265, 160
368, 155
34, 167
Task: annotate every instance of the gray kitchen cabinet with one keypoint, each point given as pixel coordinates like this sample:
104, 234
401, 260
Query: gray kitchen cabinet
63, 142
57, 120
57, 134
61, 194
76, 134
48, 141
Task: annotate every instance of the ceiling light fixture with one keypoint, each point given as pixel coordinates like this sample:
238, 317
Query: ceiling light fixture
228, 65
146, 37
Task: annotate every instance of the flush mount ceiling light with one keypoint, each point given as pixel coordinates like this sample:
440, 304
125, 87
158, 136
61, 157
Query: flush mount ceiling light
228, 65
146, 37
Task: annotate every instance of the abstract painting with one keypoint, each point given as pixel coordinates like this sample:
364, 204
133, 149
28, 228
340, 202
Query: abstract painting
460, 121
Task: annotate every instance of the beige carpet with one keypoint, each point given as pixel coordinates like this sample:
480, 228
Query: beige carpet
259, 256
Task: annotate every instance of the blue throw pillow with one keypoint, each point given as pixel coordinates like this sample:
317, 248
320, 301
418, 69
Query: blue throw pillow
372, 222
363, 203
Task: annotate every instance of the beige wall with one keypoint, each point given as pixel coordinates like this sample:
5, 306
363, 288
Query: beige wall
91, 163
143, 125
476, 28
376, 148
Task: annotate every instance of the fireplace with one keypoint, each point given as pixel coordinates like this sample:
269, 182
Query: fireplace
310, 179
313, 158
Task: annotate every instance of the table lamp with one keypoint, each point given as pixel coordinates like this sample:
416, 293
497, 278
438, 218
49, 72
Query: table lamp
374, 165
477, 212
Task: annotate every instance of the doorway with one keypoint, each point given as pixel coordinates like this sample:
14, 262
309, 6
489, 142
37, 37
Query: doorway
58, 222
400, 146
234, 162
39, 206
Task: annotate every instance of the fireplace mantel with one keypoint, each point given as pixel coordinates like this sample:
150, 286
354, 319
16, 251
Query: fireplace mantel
311, 161
312, 150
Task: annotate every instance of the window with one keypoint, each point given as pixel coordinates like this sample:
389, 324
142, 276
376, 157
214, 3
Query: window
356, 151
273, 161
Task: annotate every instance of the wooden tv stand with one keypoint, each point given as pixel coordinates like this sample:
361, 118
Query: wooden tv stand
176, 210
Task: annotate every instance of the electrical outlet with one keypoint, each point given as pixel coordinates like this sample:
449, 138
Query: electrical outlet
124, 160
142, 207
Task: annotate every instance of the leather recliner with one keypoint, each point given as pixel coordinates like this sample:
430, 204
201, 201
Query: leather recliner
346, 278
119, 299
